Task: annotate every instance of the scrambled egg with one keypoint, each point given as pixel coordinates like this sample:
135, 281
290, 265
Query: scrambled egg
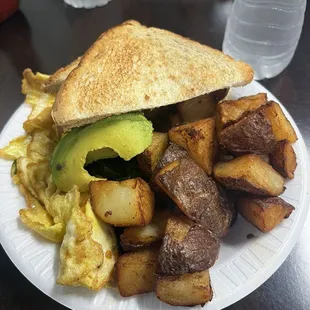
40, 102
38, 219
88, 252
47, 211
16, 148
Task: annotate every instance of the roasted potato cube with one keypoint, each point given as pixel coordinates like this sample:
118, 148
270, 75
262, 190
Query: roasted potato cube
264, 213
265, 158
172, 153
137, 237
231, 111
252, 134
196, 194
282, 128
251, 174
199, 139
283, 159
135, 272
148, 160
186, 248
185, 290
197, 108
125, 203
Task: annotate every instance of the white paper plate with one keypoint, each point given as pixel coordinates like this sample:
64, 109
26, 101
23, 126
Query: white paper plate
243, 264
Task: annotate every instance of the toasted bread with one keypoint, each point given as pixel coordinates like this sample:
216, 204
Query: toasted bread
131, 67
53, 83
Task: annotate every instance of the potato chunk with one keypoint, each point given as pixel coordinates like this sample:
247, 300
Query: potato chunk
197, 108
282, 128
252, 134
125, 203
250, 173
197, 195
185, 290
231, 111
199, 139
135, 272
172, 153
136, 237
186, 248
148, 160
283, 159
264, 213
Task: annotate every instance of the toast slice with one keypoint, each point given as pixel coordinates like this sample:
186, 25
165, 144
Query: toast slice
131, 67
53, 83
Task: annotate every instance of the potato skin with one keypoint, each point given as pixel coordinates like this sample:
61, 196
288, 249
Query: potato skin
231, 111
264, 212
196, 194
135, 272
185, 290
252, 134
283, 159
172, 153
186, 248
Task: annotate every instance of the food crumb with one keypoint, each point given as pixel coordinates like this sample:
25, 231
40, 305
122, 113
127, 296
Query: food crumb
108, 254
250, 236
108, 213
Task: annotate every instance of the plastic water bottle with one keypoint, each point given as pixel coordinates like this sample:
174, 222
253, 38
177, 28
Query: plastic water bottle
264, 33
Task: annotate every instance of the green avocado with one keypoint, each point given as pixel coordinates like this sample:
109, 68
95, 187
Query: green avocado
125, 135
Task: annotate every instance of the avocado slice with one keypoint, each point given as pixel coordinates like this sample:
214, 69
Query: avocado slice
125, 135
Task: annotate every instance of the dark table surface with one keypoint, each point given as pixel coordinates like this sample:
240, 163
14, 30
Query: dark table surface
44, 35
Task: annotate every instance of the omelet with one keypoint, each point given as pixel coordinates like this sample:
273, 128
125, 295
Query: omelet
40, 102
89, 249
88, 252
39, 220
16, 148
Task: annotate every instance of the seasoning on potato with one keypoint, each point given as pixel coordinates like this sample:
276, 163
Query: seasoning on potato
199, 139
